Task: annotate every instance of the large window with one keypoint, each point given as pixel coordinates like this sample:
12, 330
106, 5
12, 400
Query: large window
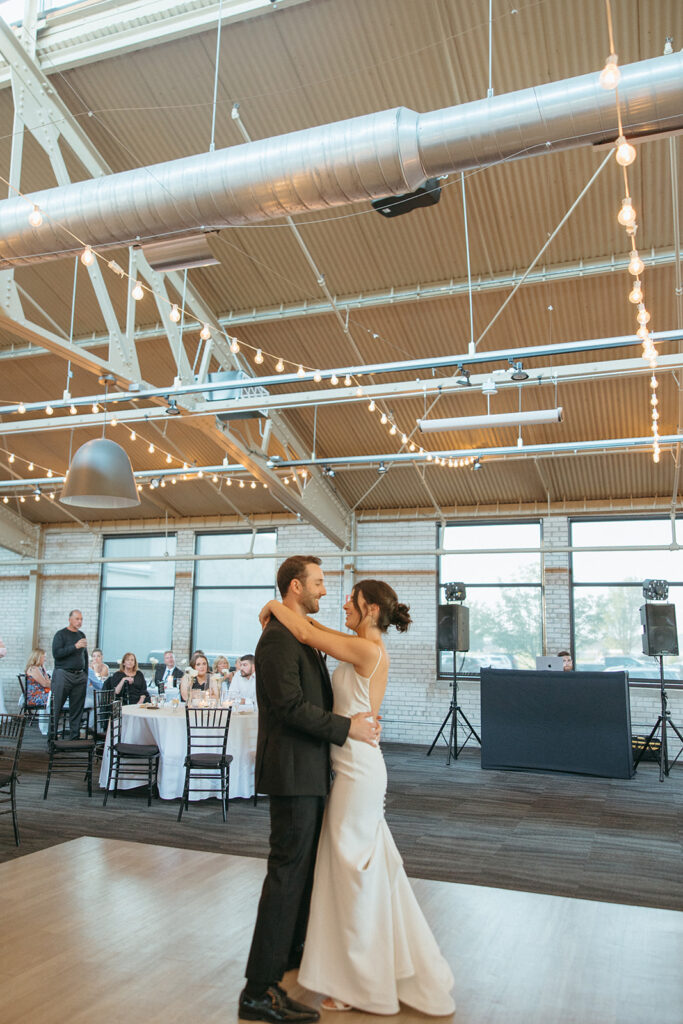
229, 592
607, 591
503, 593
136, 598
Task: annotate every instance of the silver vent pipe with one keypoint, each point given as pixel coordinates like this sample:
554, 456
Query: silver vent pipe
368, 157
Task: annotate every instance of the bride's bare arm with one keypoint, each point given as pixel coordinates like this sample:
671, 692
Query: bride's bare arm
326, 629
361, 653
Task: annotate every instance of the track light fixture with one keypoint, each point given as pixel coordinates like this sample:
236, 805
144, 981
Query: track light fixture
518, 372
381, 468
477, 463
463, 377
172, 409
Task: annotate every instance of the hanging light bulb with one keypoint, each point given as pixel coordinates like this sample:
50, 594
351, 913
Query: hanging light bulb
258, 358
653, 382
393, 429
214, 478
87, 257
404, 439
626, 215
114, 422
200, 474
162, 482
411, 446
36, 497
643, 316
334, 379
49, 472
241, 483
234, 346
229, 482
643, 332
655, 454
253, 485
610, 74
654, 400
35, 217
429, 456
52, 495
279, 366
383, 418
11, 458
635, 264
174, 315
73, 410
95, 407
137, 291
133, 435
317, 376
30, 467
347, 381
205, 332
301, 372
359, 392
49, 410
22, 499
21, 408
185, 466
151, 449
372, 405
5, 500
173, 480
636, 294
626, 153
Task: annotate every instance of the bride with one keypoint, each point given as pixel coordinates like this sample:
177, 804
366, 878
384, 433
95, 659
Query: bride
368, 945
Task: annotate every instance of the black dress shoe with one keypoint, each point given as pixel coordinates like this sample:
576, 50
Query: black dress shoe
276, 1006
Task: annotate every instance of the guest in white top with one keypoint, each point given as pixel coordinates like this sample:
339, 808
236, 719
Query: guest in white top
243, 685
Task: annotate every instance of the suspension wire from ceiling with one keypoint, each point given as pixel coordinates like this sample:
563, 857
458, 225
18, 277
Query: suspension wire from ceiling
212, 145
469, 268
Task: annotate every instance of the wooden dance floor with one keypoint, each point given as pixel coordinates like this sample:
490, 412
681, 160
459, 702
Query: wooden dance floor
101, 930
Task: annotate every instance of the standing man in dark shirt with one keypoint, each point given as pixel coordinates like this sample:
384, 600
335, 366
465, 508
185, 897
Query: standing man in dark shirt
70, 677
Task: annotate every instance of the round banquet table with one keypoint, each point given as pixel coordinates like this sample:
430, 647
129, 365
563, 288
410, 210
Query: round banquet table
166, 727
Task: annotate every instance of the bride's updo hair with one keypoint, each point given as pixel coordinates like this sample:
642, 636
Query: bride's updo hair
391, 611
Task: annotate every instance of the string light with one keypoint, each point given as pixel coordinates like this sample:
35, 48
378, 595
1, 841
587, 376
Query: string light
205, 332
241, 483
5, 500
383, 418
73, 410
610, 74
626, 215
95, 407
137, 291
234, 346
11, 458
114, 421
174, 315
372, 405
334, 379
133, 435
169, 457
30, 467
214, 478
635, 265
301, 372
253, 485
317, 376
636, 294
151, 448
35, 217
626, 153
347, 381
258, 358
49, 410
279, 366
643, 317
21, 408
49, 472
87, 257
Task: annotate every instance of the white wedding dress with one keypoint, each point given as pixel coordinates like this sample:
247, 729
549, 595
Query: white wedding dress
367, 943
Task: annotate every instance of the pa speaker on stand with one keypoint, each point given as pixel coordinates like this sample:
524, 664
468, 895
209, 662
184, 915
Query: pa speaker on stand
660, 638
453, 634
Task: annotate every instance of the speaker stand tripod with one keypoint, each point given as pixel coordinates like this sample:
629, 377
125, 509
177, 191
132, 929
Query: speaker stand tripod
663, 721
454, 712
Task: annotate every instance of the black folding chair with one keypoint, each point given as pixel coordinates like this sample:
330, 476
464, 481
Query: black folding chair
11, 736
207, 740
67, 755
126, 759
101, 716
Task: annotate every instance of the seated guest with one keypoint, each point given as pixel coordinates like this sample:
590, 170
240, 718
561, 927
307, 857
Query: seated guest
37, 680
221, 675
197, 678
98, 674
243, 685
567, 663
167, 674
129, 683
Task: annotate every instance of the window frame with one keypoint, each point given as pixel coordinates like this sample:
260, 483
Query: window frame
195, 587
490, 586
144, 535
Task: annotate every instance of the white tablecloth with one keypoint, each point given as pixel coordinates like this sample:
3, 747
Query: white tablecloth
166, 728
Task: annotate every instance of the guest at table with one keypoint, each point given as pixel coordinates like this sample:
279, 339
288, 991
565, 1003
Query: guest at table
567, 663
38, 681
98, 674
129, 683
222, 675
167, 674
197, 678
3, 649
243, 685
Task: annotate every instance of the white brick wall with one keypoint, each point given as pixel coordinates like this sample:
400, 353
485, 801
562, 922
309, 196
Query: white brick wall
416, 702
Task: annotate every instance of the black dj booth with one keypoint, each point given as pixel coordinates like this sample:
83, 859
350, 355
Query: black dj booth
556, 721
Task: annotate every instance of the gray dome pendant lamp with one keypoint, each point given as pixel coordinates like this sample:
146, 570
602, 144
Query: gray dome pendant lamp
100, 474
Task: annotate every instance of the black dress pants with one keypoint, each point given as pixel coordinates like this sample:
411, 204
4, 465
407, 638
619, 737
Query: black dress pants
295, 823
72, 685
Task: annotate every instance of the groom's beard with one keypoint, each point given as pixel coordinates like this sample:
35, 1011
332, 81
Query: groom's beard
310, 603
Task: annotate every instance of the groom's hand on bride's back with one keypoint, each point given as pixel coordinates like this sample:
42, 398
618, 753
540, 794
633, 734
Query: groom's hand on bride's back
364, 728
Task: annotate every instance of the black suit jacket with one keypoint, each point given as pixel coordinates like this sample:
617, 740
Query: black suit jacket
296, 722
159, 673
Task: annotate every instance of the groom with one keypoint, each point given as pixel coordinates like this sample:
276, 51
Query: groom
296, 726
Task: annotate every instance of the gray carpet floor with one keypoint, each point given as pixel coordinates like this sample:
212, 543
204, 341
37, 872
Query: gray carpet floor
569, 835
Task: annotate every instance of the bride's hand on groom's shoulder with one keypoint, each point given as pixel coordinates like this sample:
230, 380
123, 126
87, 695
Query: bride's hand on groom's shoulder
264, 615
365, 728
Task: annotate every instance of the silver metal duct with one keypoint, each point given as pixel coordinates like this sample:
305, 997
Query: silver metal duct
368, 157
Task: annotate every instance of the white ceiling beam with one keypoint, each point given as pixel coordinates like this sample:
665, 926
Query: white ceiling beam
70, 38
